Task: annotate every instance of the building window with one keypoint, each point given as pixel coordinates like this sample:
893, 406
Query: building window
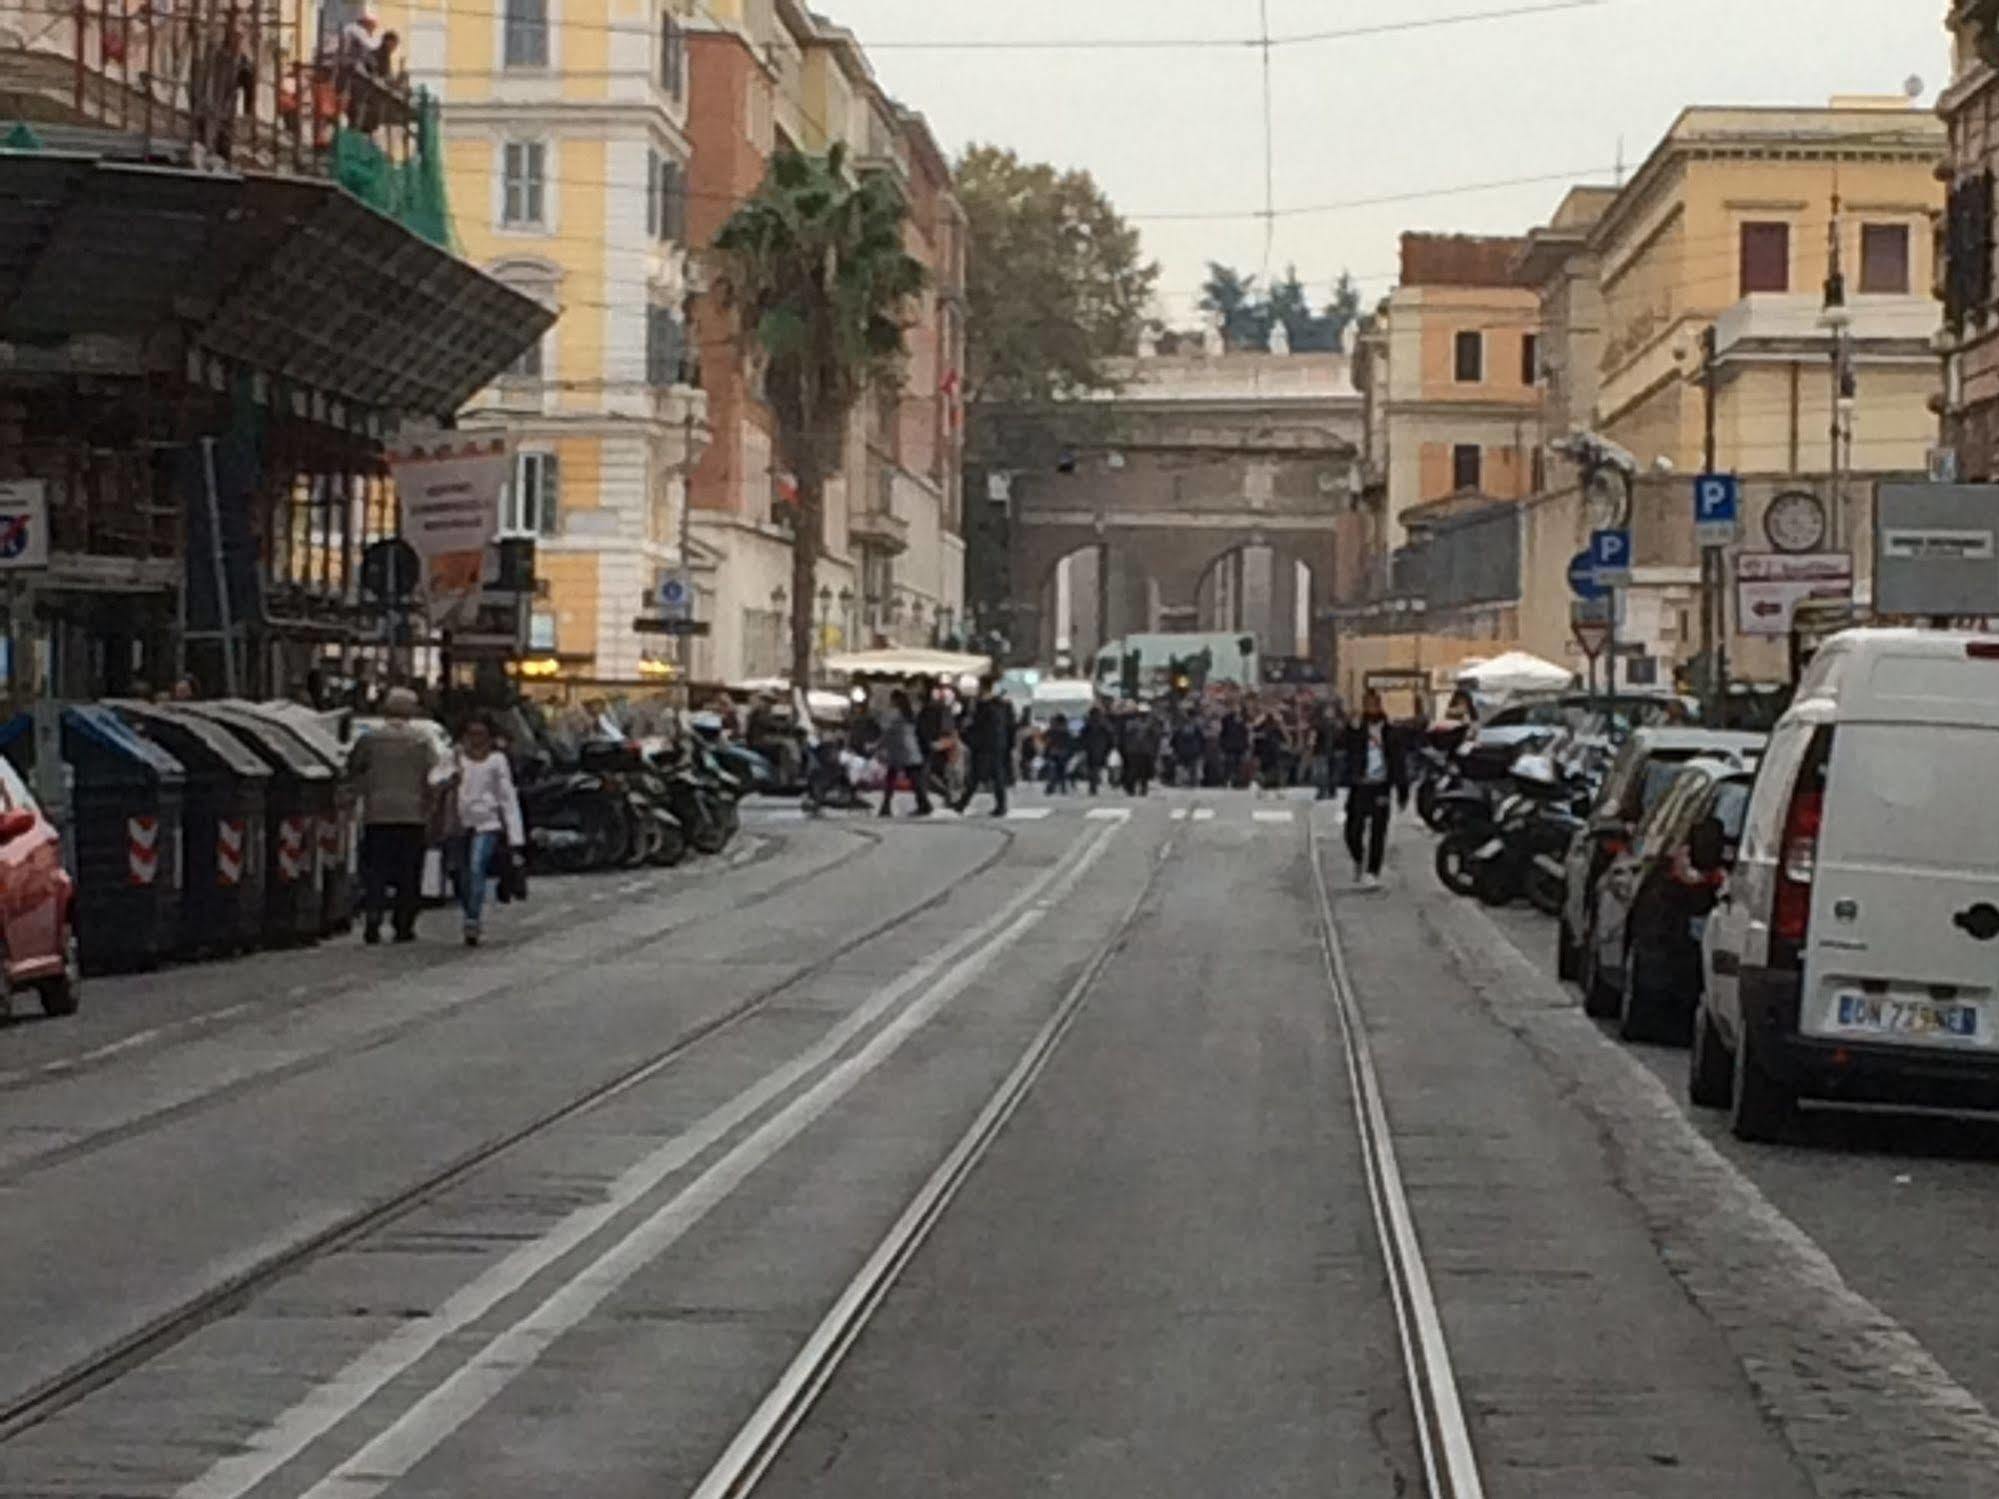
1530, 359
666, 197
672, 58
526, 35
1538, 470
524, 183
664, 346
1470, 358
1466, 466
531, 505
1884, 259
1766, 258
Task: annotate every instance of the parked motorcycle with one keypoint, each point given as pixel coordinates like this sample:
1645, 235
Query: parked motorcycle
1524, 850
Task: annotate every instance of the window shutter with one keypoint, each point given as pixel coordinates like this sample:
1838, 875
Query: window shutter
1766, 258
548, 513
652, 194
676, 202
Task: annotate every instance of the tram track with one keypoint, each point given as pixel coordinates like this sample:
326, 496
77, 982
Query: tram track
111, 1361
69, 1151
1449, 1464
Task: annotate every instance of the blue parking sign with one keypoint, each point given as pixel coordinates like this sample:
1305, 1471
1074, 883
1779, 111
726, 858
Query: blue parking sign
1717, 508
1610, 557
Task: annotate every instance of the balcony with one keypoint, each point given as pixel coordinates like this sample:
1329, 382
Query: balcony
251, 85
880, 530
1789, 323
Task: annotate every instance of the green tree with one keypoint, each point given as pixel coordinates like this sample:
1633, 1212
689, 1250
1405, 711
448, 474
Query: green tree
1056, 283
1343, 311
813, 267
1245, 315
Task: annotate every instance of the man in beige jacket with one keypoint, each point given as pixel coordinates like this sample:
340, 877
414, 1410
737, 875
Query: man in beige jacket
391, 767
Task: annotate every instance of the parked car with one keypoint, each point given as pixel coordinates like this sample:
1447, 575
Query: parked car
1637, 778
37, 903
1653, 901
1855, 954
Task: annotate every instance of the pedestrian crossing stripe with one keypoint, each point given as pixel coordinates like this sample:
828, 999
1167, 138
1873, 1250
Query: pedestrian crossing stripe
1198, 814
1109, 814
1272, 816
1029, 814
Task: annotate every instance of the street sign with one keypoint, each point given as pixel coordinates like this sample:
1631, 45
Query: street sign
1590, 624
676, 596
24, 524
1717, 509
1582, 578
1610, 558
1936, 550
643, 626
1769, 586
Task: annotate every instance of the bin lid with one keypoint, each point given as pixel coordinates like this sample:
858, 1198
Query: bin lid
235, 756
277, 744
307, 727
102, 727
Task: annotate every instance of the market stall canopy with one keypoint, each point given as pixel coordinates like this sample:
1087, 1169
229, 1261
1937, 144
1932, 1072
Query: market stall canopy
1516, 671
898, 662
291, 277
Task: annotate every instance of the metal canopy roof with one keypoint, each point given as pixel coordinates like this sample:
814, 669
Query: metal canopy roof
290, 276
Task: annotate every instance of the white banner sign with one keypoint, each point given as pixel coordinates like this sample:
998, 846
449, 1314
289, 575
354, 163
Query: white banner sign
1769, 586
450, 484
1911, 544
24, 524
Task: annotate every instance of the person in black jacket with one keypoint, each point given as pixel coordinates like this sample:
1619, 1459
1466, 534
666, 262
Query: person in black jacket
1374, 763
933, 729
988, 735
1097, 742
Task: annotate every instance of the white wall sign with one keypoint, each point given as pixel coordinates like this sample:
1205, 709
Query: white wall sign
24, 524
1911, 544
1769, 586
450, 484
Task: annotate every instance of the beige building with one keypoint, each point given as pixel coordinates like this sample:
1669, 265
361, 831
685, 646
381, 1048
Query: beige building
1733, 225
1970, 111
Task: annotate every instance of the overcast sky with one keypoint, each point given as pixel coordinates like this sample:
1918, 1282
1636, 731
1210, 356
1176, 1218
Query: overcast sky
1549, 95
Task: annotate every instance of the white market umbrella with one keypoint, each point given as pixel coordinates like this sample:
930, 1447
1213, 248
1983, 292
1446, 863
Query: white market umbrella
1516, 671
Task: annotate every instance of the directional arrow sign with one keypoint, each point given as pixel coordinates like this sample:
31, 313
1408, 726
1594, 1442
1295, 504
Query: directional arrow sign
1582, 578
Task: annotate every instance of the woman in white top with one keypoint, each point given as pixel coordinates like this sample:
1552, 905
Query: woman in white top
488, 810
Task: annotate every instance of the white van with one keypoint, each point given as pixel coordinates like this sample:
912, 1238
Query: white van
1855, 955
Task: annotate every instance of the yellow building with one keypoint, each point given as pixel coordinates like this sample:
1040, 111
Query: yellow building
1735, 224
1730, 222
565, 125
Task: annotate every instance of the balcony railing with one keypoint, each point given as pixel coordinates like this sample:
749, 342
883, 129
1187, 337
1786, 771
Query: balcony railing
273, 85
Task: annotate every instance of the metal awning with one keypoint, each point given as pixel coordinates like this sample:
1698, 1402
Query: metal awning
290, 276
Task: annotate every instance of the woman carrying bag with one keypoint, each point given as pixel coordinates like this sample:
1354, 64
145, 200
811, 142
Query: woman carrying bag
488, 811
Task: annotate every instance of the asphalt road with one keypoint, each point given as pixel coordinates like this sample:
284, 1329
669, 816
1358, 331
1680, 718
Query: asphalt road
563, 1215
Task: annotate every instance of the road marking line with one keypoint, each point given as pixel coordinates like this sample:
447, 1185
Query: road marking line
1178, 814
1108, 814
757, 1444
1264, 816
1030, 814
1203, 814
482, 1378
1450, 1465
334, 1400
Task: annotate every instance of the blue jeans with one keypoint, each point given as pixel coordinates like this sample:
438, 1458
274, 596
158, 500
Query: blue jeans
480, 850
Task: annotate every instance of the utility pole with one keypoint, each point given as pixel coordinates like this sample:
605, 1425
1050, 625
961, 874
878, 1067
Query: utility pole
686, 531
1714, 559
1837, 318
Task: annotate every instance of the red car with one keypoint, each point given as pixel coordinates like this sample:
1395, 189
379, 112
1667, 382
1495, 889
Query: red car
38, 947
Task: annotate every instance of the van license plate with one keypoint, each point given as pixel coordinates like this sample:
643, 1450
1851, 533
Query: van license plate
1906, 1017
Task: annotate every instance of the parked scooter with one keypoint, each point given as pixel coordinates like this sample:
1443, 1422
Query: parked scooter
1524, 848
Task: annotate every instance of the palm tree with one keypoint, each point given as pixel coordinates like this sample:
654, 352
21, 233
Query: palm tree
814, 268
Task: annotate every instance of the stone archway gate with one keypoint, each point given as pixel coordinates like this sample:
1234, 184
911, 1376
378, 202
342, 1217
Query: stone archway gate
1199, 457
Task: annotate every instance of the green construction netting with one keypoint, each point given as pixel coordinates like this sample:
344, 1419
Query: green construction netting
411, 192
